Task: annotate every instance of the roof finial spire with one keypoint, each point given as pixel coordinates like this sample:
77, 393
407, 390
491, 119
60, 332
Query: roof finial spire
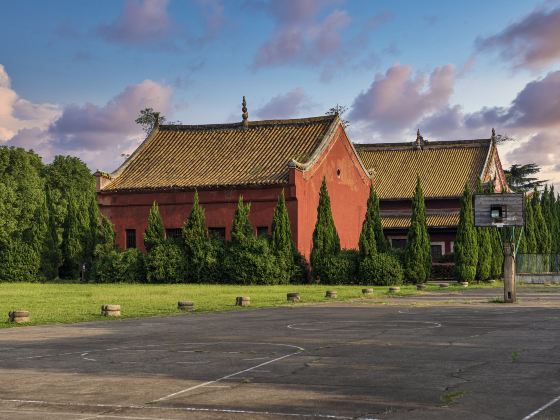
245, 114
419, 140
493, 134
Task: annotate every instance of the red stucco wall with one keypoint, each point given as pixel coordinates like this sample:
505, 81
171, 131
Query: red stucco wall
130, 210
348, 191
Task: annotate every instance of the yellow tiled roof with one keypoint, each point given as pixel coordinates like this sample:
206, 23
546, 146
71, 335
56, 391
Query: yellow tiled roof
189, 156
444, 166
432, 220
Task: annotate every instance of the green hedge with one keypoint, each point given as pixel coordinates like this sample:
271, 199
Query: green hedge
381, 270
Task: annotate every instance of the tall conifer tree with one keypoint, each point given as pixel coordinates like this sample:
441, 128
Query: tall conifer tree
281, 243
466, 246
155, 233
542, 234
368, 243
241, 228
484, 265
418, 256
200, 254
326, 242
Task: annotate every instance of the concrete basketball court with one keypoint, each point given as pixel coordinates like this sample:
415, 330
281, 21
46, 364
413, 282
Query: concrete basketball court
454, 357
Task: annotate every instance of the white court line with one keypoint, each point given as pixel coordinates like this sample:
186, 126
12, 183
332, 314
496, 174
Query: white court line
299, 350
187, 409
430, 324
544, 407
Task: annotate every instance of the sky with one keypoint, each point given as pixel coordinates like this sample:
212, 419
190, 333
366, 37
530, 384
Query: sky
74, 75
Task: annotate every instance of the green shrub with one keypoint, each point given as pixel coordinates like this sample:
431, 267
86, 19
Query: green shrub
166, 263
252, 262
340, 268
382, 270
119, 267
302, 272
19, 261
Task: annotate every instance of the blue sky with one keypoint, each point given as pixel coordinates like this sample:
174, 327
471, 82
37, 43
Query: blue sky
74, 72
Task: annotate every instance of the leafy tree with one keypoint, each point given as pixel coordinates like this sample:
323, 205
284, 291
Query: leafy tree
165, 263
326, 243
484, 265
72, 245
69, 178
23, 215
202, 258
339, 110
155, 233
466, 246
520, 179
105, 237
418, 257
281, 243
147, 119
367, 242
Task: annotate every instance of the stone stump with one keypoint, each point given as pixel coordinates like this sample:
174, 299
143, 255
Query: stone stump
394, 289
331, 294
367, 291
111, 310
243, 301
18, 316
293, 297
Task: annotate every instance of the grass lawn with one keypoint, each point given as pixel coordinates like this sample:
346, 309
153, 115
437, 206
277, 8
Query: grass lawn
70, 302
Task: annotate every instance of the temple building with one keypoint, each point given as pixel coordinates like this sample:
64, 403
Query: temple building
253, 159
259, 159
444, 167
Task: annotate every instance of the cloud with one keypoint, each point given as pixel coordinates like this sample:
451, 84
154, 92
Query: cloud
542, 148
17, 113
298, 39
140, 22
97, 134
396, 100
148, 22
532, 42
286, 105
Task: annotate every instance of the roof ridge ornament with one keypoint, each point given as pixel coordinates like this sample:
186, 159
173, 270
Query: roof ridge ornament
493, 137
245, 114
419, 143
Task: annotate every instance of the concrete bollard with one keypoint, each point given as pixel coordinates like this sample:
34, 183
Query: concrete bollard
243, 301
421, 286
111, 310
394, 289
293, 297
367, 291
331, 294
185, 305
443, 285
464, 283
18, 316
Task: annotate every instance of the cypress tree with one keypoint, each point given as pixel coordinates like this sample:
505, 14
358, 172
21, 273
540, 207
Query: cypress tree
382, 243
484, 266
418, 256
466, 246
241, 228
200, 254
155, 233
367, 243
105, 242
281, 243
530, 238
326, 242
542, 234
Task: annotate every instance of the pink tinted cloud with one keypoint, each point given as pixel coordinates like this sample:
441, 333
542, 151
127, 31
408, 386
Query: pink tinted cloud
139, 22
397, 99
531, 42
301, 36
287, 105
98, 134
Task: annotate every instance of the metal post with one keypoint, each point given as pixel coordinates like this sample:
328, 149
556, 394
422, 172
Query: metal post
509, 273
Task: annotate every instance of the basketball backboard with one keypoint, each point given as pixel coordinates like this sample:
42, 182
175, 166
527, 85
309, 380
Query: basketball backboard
499, 210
